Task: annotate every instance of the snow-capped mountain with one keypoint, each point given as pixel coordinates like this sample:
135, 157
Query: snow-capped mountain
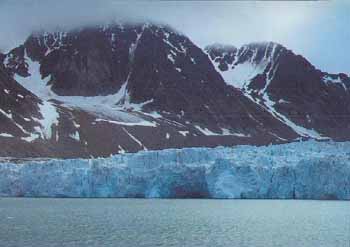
121, 87
312, 103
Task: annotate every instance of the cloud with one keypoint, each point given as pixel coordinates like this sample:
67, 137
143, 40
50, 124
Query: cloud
228, 21
298, 25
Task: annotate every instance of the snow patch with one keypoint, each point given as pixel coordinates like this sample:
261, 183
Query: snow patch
227, 132
49, 119
6, 135
239, 75
134, 138
121, 150
171, 58
206, 131
335, 79
75, 136
224, 132
35, 83
184, 132
282, 101
296, 128
76, 125
243, 73
8, 115
112, 106
141, 123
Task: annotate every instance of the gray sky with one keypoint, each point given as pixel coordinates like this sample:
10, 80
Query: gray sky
319, 30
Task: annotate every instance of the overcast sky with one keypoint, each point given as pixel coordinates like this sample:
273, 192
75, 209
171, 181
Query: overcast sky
319, 30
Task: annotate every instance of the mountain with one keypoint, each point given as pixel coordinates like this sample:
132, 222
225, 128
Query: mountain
121, 87
144, 65
311, 102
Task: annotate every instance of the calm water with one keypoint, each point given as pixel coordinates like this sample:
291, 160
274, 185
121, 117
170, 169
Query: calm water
137, 222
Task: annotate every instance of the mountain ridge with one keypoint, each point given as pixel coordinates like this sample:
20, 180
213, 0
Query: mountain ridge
287, 78
129, 87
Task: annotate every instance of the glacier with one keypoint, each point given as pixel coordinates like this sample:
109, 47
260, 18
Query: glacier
300, 170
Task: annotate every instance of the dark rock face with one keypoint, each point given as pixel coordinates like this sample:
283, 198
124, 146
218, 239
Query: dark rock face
84, 62
14, 62
224, 55
317, 100
289, 86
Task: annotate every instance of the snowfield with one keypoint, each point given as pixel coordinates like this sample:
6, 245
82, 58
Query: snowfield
303, 170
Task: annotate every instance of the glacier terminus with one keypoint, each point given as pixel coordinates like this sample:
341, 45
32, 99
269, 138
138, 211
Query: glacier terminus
300, 170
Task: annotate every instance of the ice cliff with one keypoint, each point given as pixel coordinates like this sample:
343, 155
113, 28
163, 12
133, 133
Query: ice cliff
303, 170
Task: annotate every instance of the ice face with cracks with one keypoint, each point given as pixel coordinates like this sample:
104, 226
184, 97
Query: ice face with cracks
304, 170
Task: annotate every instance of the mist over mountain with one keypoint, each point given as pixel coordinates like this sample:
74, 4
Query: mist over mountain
295, 25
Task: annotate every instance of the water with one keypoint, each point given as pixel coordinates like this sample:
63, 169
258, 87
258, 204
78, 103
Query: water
138, 222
